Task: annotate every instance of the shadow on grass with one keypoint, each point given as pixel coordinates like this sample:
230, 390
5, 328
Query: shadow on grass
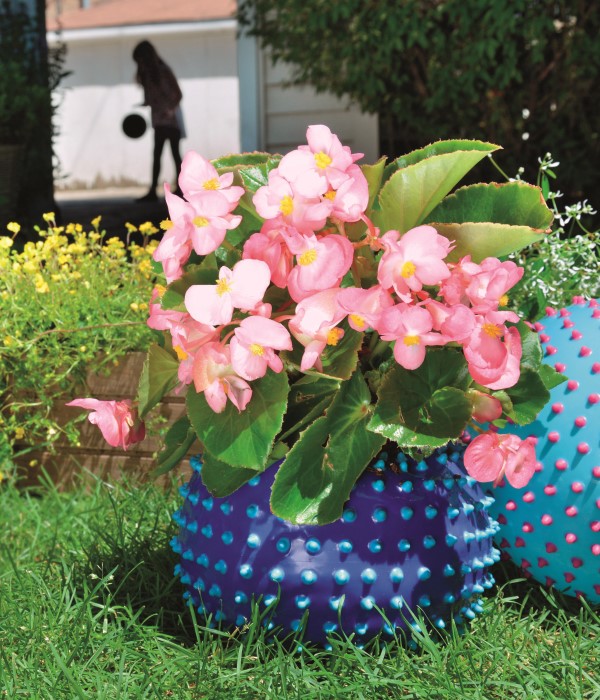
533, 597
120, 537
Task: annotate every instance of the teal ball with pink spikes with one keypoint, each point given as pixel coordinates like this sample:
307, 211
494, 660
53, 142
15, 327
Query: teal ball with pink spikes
551, 527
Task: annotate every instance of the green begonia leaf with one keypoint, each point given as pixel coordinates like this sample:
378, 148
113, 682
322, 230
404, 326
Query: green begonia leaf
491, 220
237, 160
531, 347
159, 376
318, 473
528, 397
438, 148
419, 181
486, 240
220, 478
513, 203
308, 399
256, 176
178, 440
242, 439
551, 377
424, 408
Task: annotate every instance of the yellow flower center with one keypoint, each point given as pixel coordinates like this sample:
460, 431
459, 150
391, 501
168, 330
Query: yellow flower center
286, 206
358, 320
503, 301
492, 330
334, 335
257, 349
180, 352
212, 184
408, 269
411, 340
308, 257
322, 160
330, 194
223, 286
200, 221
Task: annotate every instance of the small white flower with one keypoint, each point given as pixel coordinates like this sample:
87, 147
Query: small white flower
526, 113
525, 135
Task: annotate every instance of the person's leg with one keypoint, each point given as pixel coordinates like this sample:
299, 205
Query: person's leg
174, 138
159, 141
160, 136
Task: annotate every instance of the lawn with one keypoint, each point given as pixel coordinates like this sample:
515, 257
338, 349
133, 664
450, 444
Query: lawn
89, 609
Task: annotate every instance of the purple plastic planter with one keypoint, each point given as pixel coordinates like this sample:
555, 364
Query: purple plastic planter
417, 537
551, 528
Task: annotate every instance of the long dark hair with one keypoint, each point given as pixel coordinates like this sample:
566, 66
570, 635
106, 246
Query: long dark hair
148, 62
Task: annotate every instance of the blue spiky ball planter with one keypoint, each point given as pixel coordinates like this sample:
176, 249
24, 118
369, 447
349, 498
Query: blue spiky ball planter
413, 537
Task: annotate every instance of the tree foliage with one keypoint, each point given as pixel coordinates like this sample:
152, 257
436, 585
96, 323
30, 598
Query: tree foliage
522, 73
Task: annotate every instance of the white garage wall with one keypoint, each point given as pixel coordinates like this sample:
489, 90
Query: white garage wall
288, 111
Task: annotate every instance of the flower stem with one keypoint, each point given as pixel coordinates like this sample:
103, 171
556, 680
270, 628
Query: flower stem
86, 328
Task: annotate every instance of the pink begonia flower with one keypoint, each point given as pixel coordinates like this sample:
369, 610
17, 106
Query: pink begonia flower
270, 246
204, 221
319, 166
364, 306
455, 323
483, 286
491, 456
487, 289
160, 319
175, 246
253, 346
493, 352
117, 420
243, 287
350, 200
411, 328
417, 259
454, 288
322, 262
187, 334
314, 325
199, 175
214, 375
486, 408
279, 200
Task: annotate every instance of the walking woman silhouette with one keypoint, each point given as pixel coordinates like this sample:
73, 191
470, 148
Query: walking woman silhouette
163, 95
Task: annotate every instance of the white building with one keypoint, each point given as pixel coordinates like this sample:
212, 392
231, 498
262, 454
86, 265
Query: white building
233, 98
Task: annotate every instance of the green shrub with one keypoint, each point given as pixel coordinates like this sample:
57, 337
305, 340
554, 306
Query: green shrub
519, 73
70, 301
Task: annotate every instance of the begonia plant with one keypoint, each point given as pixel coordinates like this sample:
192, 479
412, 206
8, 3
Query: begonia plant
315, 309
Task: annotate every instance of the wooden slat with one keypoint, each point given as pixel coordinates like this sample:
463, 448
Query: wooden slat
93, 457
69, 469
121, 382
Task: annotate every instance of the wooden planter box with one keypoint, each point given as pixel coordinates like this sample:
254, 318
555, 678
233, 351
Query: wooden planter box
95, 458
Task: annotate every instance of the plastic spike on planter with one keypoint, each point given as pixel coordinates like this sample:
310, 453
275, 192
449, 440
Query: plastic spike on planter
551, 528
412, 540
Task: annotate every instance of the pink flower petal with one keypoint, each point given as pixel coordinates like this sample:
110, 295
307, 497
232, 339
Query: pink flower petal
483, 459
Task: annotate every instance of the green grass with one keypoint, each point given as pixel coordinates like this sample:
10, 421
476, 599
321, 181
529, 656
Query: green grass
89, 609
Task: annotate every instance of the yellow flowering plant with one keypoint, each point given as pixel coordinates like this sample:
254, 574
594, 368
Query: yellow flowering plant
65, 300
